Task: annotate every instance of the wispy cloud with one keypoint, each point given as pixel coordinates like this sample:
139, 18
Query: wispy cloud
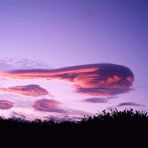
17, 115
12, 64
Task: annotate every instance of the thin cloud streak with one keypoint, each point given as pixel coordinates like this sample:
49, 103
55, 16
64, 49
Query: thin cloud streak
129, 104
96, 100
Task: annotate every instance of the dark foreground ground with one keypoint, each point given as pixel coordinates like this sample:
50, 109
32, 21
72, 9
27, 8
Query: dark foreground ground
128, 119
114, 125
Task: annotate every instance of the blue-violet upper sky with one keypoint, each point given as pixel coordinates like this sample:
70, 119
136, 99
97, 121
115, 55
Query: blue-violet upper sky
70, 58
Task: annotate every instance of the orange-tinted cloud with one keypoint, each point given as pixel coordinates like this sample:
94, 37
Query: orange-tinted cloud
4, 104
47, 105
93, 79
27, 90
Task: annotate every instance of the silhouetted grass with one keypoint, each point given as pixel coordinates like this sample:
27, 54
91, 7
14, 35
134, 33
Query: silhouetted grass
108, 125
114, 118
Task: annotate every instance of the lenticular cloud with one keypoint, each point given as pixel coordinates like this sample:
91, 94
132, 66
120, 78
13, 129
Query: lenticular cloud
47, 105
91, 84
27, 90
93, 79
4, 104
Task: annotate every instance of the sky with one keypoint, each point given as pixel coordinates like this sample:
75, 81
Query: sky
65, 59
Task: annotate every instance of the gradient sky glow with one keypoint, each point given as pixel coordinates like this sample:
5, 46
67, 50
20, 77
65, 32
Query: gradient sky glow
51, 34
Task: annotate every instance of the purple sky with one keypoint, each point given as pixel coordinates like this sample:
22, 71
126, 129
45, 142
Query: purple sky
50, 34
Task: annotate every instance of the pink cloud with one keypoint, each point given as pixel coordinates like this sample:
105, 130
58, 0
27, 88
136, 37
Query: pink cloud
4, 104
93, 79
47, 105
27, 90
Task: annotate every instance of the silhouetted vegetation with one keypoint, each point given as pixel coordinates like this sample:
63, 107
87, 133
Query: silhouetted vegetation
109, 125
114, 118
